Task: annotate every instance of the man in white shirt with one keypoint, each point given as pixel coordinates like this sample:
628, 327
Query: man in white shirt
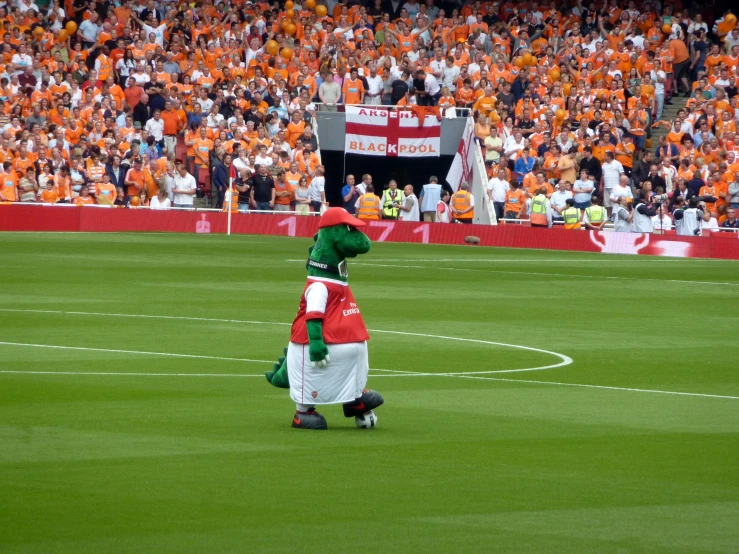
497, 189
155, 127
409, 211
316, 190
612, 171
658, 78
558, 200
184, 188
513, 144
621, 189
431, 87
450, 74
374, 88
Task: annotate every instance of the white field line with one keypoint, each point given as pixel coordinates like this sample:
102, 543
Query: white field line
393, 374
564, 360
388, 372
138, 352
568, 275
474, 375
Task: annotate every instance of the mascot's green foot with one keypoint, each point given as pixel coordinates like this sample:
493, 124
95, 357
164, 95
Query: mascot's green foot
278, 375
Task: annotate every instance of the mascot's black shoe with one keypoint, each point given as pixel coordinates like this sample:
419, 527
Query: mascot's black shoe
369, 400
309, 420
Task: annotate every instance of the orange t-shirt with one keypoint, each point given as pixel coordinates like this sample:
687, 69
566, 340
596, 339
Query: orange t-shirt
283, 187
352, 91
201, 149
137, 177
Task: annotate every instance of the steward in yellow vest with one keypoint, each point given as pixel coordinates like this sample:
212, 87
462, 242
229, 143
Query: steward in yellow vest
595, 215
392, 199
539, 209
571, 215
368, 205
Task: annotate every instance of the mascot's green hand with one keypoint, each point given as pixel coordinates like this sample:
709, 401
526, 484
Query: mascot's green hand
318, 350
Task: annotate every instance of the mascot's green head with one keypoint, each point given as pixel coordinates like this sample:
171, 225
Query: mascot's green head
338, 238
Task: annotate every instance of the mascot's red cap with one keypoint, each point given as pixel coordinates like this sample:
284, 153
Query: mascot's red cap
339, 216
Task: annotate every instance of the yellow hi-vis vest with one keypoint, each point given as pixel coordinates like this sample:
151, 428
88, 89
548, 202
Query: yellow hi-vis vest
369, 206
596, 214
387, 203
539, 210
572, 217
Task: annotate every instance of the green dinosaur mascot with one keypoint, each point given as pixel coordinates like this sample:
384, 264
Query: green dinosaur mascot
326, 361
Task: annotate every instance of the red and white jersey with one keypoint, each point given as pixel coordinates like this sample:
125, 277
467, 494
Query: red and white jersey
333, 302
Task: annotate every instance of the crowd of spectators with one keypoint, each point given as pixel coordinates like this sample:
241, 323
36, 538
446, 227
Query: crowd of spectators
157, 102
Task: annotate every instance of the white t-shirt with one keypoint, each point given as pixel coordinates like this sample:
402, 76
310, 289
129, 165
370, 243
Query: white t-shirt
619, 191
498, 188
659, 88
662, 223
316, 188
414, 214
155, 204
184, 183
612, 172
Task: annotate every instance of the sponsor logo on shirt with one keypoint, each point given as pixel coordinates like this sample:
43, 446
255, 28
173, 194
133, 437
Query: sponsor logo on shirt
353, 310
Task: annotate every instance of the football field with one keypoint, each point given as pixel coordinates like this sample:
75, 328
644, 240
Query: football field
535, 401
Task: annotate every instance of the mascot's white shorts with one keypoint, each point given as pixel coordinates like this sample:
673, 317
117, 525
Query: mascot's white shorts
342, 380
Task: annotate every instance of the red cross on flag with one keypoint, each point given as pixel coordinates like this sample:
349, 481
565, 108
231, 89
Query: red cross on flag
384, 132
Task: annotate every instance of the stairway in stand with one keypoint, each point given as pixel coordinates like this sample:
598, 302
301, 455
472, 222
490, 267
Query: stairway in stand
669, 113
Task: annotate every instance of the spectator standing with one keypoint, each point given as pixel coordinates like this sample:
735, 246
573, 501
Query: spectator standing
612, 171
284, 192
498, 187
263, 190
184, 188
559, 200
302, 197
317, 190
583, 190
350, 195
219, 178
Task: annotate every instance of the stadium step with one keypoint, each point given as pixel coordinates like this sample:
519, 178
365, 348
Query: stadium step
669, 113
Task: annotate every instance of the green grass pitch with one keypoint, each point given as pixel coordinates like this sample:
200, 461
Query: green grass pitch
121, 447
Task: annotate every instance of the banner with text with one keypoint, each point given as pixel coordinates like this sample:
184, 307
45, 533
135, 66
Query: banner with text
383, 132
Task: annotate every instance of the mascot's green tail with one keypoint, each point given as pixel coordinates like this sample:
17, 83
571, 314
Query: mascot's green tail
278, 375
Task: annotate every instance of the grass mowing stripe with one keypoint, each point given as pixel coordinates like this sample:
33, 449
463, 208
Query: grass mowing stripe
568, 275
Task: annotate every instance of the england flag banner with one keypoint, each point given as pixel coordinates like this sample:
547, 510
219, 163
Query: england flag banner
383, 132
